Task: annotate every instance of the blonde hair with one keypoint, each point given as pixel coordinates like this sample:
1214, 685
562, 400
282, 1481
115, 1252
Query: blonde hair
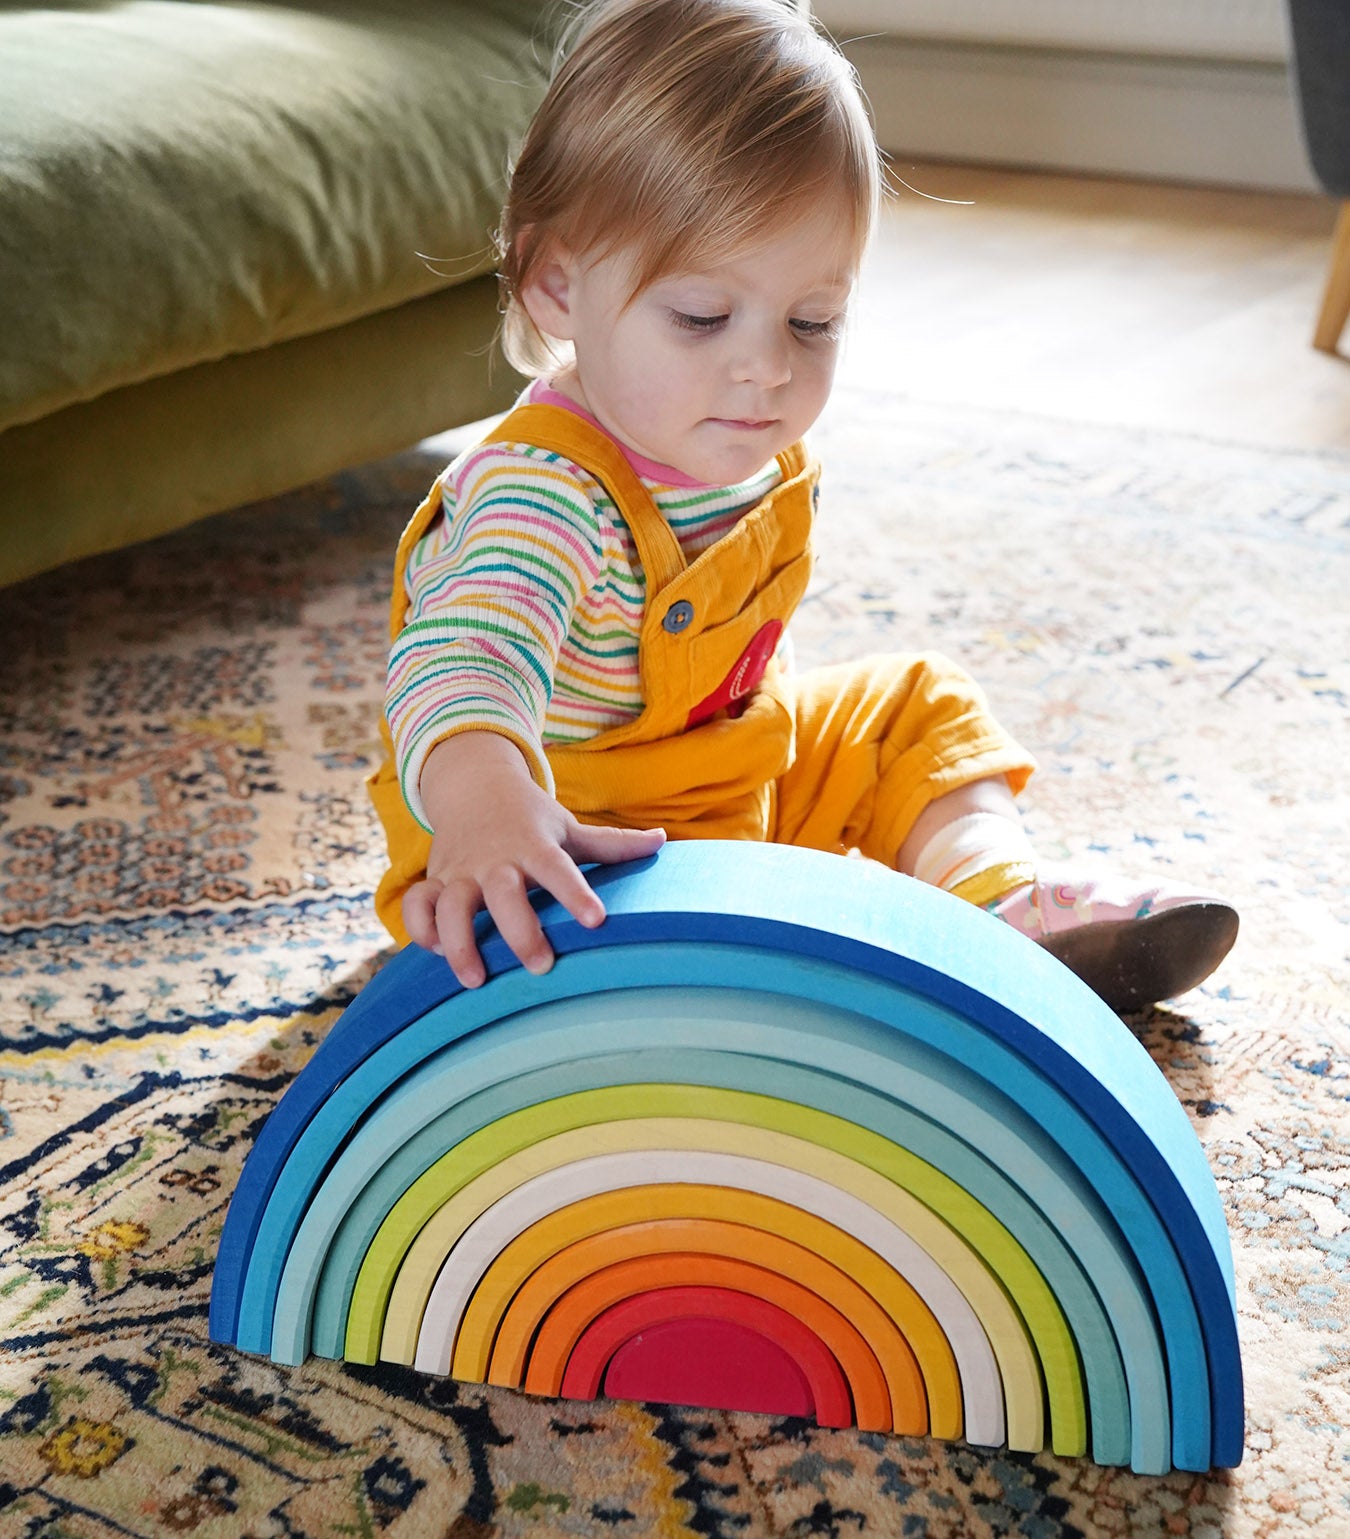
684, 131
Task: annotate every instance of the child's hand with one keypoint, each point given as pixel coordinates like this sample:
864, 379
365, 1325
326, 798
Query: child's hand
498, 835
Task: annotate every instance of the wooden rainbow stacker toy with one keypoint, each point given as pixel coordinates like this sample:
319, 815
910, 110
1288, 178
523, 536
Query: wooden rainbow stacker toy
787, 1133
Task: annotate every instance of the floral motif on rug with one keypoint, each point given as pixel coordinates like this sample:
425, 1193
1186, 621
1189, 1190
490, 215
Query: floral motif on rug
186, 866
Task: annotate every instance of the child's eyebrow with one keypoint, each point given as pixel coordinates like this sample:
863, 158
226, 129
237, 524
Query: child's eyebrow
841, 283
702, 286
840, 289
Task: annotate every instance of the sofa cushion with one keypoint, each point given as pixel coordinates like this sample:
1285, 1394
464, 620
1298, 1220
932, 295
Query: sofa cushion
184, 181
146, 458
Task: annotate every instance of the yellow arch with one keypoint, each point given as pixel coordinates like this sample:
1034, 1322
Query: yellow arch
540, 1137
589, 1174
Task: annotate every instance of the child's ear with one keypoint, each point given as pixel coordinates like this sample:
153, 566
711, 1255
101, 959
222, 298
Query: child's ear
546, 293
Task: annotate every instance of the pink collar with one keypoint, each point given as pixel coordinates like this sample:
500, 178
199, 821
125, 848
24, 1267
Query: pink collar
540, 392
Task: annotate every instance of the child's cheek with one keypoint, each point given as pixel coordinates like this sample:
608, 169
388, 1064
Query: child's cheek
662, 387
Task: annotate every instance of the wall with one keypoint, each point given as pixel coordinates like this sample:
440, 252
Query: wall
1185, 90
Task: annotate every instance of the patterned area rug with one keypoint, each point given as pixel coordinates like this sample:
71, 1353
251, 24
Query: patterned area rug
186, 863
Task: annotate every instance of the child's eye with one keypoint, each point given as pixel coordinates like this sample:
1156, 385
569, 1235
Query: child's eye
697, 322
815, 328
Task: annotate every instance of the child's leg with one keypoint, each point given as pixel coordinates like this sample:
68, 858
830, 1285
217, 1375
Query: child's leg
901, 758
1133, 941
971, 842
880, 741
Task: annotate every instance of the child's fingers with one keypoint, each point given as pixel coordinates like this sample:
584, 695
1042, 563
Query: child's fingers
419, 913
439, 916
559, 875
562, 877
456, 905
611, 845
506, 897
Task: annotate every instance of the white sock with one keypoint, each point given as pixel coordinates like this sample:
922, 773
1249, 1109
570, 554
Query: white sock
981, 857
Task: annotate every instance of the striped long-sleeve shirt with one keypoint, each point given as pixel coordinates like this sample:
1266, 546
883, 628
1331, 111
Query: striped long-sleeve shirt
526, 598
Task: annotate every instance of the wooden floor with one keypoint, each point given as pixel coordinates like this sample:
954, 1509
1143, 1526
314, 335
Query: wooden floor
1108, 301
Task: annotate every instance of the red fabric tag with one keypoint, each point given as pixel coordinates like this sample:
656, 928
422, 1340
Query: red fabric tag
734, 690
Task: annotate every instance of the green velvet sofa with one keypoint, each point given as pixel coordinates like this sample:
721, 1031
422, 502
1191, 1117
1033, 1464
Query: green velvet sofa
242, 245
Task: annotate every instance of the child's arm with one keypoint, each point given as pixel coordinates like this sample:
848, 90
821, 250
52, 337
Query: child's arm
498, 834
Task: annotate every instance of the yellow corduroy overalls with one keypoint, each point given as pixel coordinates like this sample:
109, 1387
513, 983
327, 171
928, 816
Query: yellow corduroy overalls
728, 745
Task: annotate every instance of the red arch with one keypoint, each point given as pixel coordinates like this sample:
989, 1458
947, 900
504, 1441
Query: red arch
651, 1370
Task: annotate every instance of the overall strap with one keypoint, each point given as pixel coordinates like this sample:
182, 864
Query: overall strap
563, 432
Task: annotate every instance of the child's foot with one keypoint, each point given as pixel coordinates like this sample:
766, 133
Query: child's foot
1134, 942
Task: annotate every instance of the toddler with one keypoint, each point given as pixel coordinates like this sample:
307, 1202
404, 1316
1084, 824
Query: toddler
589, 653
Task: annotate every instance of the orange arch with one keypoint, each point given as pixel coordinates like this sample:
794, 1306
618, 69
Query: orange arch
530, 1249
589, 1298
698, 1236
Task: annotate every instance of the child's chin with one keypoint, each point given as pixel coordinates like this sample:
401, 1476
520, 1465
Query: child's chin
735, 462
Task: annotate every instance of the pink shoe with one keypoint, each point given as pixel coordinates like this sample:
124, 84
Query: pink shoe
1133, 941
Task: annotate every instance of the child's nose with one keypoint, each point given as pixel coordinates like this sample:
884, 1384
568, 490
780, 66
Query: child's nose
764, 362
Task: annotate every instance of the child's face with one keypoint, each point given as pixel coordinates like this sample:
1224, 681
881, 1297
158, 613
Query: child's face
712, 372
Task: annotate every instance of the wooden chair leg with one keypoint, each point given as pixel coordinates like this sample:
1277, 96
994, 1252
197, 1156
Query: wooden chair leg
1336, 297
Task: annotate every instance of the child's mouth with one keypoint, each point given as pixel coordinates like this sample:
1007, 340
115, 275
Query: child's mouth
744, 424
